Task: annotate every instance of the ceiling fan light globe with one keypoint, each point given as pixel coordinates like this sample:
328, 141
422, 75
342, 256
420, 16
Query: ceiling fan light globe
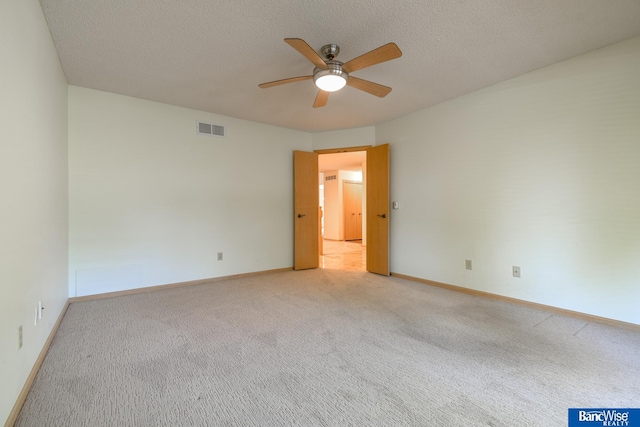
332, 78
330, 82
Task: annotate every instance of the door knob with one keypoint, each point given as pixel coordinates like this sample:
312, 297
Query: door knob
384, 215
301, 215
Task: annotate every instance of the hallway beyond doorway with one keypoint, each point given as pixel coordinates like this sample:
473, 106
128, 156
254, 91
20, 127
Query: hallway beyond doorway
343, 255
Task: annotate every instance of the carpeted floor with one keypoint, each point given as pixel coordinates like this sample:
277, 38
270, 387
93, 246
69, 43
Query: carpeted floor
326, 348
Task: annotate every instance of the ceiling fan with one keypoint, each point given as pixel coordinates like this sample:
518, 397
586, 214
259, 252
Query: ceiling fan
331, 75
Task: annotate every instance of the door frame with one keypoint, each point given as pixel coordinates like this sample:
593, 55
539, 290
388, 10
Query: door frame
343, 150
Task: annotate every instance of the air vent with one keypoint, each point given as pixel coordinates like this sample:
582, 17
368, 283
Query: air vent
330, 177
210, 129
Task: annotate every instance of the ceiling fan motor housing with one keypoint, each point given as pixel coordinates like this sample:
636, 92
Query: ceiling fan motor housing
330, 51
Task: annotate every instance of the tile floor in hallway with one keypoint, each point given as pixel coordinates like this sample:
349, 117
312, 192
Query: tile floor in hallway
344, 255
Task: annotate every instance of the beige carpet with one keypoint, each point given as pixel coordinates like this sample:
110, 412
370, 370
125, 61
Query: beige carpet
326, 348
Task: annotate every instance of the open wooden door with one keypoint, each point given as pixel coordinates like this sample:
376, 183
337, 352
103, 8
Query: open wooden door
306, 202
378, 209
352, 210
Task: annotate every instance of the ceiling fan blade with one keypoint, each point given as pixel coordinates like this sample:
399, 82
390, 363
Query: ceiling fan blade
321, 99
382, 54
369, 87
306, 50
284, 81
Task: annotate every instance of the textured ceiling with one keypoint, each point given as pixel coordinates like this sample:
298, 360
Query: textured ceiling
211, 55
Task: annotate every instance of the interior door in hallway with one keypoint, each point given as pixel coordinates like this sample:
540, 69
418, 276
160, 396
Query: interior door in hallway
352, 209
377, 179
306, 200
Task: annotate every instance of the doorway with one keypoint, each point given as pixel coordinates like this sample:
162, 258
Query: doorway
342, 200
375, 214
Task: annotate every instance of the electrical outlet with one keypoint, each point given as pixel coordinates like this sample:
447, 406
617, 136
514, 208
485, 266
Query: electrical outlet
19, 337
468, 265
516, 271
219, 256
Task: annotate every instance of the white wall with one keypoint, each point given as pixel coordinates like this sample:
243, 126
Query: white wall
332, 207
333, 203
33, 185
541, 171
356, 137
152, 202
